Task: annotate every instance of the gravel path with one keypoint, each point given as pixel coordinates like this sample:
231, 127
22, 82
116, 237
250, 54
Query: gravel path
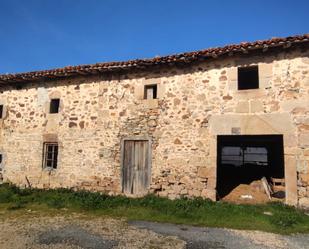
218, 238
77, 231
75, 235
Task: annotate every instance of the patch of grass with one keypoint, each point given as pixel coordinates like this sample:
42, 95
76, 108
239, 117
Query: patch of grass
16, 205
284, 219
6, 194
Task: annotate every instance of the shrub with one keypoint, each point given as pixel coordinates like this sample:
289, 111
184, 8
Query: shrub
87, 200
6, 195
56, 201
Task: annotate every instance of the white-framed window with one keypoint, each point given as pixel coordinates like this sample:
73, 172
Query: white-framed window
50, 155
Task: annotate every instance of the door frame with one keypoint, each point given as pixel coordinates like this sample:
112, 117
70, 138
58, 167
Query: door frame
149, 154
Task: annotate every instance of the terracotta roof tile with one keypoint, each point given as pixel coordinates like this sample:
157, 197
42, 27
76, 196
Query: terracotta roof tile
143, 63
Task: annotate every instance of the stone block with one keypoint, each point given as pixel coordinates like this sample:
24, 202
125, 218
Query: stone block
139, 91
194, 193
302, 191
265, 74
184, 192
177, 188
50, 138
177, 162
270, 123
304, 179
198, 185
304, 139
232, 78
304, 202
185, 180
42, 96
208, 194
203, 172
291, 180
256, 106
242, 107
292, 151
150, 103
293, 104
290, 140
197, 161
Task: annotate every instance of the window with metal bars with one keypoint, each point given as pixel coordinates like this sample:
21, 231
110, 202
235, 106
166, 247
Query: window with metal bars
50, 155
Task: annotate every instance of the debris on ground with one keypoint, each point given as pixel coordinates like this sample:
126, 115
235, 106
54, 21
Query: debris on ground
268, 213
253, 189
259, 191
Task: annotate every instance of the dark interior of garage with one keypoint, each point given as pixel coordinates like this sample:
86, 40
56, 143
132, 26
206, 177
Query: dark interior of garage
243, 159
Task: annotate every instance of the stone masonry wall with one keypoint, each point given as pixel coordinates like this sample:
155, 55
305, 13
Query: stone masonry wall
196, 103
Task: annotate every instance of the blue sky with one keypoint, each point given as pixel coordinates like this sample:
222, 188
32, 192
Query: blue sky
44, 34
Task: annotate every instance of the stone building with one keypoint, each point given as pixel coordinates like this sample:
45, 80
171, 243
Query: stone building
178, 125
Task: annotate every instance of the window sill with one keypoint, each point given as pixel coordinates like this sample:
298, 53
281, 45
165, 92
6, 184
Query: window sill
250, 93
49, 169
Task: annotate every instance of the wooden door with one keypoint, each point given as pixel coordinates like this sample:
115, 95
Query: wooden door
136, 167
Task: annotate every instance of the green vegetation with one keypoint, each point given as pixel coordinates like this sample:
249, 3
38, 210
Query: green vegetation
284, 219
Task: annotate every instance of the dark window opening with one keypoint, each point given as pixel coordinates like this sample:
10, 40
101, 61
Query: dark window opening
150, 92
1, 158
50, 154
239, 156
1, 111
242, 162
248, 78
54, 106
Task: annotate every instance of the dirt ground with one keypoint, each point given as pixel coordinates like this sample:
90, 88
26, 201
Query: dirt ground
77, 231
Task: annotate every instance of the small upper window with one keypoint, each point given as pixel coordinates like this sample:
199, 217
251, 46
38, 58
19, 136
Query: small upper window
1, 111
150, 92
50, 155
54, 106
248, 78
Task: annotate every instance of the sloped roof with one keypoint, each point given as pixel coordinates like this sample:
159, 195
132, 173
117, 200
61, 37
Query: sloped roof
69, 71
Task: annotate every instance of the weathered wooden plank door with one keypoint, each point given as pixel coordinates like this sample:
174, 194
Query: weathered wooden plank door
136, 167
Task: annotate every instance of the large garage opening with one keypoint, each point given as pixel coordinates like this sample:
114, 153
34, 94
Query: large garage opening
250, 168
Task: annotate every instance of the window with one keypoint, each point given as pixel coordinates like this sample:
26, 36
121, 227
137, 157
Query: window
50, 154
248, 78
54, 106
241, 155
150, 92
1, 159
1, 111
